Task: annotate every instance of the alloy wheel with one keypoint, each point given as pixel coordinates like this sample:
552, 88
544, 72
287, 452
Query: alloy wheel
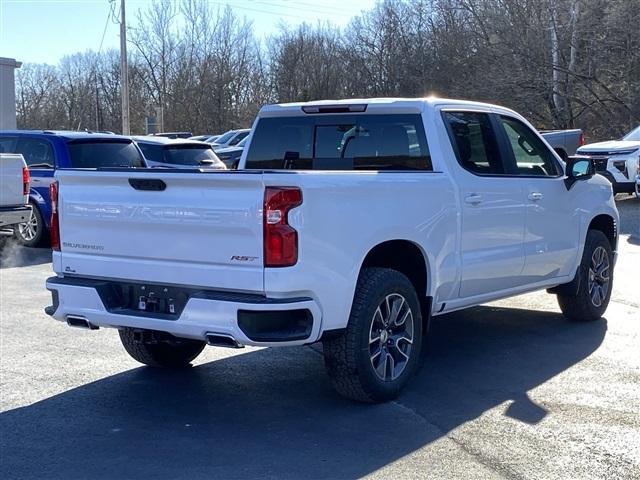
599, 279
28, 230
391, 337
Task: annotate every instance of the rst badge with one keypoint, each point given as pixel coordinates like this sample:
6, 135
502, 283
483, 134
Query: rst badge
243, 258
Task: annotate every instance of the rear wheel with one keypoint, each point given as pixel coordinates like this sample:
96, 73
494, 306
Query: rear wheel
595, 281
379, 350
157, 350
33, 232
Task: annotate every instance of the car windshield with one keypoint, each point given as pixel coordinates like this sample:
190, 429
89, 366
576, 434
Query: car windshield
225, 137
104, 153
633, 135
189, 155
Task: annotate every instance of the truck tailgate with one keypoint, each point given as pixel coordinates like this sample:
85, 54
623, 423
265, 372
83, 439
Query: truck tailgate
200, 229
11, 180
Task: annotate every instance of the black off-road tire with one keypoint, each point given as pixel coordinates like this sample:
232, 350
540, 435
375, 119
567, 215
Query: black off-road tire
347, 357
164, 353
579, 305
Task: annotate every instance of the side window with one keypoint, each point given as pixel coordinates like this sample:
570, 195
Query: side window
475, 142
8, 144
531, 155
238, 138
37, 153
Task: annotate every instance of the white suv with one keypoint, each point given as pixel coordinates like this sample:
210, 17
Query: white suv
618, 160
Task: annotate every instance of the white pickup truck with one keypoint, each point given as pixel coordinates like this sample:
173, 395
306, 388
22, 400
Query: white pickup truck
14, 191
352, 224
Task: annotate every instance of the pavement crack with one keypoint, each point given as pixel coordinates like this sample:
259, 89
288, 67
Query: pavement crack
489, 462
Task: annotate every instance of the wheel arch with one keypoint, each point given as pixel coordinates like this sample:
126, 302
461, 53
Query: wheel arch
607, 225
408, 258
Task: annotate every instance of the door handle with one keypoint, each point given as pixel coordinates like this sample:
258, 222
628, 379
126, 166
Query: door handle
535, 196
473, 198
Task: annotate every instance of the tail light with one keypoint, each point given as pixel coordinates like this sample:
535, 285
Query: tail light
582, 142
280, 238
55, 226
26, 179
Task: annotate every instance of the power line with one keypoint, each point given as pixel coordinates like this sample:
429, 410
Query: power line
330, 11
267, 12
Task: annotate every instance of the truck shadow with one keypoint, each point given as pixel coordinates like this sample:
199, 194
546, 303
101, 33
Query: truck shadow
272, 413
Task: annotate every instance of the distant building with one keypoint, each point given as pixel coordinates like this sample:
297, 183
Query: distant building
8, 93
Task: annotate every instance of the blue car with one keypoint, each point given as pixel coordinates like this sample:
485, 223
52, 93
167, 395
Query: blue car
46, 151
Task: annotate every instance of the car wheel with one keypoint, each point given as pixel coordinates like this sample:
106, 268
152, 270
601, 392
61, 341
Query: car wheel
595, 281
32, 233
167, 353
379, 350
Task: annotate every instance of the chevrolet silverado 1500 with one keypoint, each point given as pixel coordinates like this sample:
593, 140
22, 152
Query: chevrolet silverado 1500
351, 223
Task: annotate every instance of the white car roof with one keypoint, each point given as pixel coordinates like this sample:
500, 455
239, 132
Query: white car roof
167, 141
377, 105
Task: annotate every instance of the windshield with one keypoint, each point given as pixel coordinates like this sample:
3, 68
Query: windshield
189, 155
633, 135
225, 137
104, 153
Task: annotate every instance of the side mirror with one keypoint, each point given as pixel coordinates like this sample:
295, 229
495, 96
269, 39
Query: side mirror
578, 168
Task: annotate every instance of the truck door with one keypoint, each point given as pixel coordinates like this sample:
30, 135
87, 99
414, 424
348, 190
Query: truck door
551, 228
492, 205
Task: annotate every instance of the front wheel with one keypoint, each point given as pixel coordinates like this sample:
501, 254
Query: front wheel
595, 281
167, 352
380, 348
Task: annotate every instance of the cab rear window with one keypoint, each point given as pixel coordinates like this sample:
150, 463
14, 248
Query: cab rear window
340, 142
97, 154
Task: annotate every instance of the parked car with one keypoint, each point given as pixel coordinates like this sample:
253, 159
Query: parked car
47, 151
231, 155
230, 138
14, 192
173, 134
204, 138
618, 160
352, 224
564, 142
175, 153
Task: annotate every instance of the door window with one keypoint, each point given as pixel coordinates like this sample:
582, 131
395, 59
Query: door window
238, 138
8, 144
531, 155
474, 142
37, 153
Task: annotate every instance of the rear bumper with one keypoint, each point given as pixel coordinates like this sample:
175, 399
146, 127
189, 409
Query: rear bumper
13, 215
249, 319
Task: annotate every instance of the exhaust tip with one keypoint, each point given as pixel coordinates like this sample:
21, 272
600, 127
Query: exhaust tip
222, 340
80, 322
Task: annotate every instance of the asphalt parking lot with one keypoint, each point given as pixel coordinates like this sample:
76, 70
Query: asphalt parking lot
507, 390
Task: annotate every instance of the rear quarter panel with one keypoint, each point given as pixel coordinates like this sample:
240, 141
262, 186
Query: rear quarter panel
346, 214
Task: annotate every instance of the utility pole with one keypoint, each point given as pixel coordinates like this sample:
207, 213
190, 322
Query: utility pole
124, 72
